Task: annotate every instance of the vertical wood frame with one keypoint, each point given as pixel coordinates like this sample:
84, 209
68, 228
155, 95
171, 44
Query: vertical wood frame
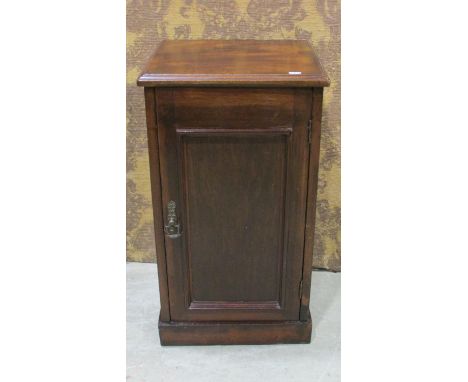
314, 155
153, 151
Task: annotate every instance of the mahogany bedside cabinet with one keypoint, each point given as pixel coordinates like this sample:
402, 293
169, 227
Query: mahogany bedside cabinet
233, 138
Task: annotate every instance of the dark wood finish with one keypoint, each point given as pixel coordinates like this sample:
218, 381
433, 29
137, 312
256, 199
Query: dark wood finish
234, 63
235, 333
241, 165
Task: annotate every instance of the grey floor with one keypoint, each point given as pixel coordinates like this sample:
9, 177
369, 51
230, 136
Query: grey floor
148, 361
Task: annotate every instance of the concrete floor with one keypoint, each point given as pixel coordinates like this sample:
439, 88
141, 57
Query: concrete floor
148, 361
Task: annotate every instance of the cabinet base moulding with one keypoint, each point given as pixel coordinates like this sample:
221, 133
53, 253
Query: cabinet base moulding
235, 333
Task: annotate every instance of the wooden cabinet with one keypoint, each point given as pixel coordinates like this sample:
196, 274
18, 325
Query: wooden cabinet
233, 138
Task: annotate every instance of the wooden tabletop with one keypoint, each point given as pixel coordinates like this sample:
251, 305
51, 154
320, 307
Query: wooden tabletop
287, 63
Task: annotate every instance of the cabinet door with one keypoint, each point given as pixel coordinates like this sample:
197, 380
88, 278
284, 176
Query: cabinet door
234, 165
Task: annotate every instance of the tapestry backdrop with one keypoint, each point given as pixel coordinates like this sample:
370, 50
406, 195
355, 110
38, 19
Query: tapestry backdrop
151, 21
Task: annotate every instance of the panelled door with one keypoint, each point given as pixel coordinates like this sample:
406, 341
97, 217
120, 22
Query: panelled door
234, 165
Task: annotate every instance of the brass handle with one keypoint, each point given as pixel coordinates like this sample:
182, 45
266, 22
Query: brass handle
172, 229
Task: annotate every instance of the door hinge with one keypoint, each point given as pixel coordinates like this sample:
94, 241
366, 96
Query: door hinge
300, 289
309, 131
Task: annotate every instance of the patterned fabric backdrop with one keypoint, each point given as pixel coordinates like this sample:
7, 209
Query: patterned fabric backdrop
151, 21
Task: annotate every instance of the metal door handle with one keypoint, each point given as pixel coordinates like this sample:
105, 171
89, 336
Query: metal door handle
172, 229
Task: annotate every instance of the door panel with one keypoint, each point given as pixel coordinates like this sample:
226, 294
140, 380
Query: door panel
240, 197
231, 184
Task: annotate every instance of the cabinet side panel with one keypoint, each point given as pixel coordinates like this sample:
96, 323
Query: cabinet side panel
153, 151
314, 154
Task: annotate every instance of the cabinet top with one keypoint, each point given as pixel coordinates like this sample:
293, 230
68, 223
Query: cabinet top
286, 63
